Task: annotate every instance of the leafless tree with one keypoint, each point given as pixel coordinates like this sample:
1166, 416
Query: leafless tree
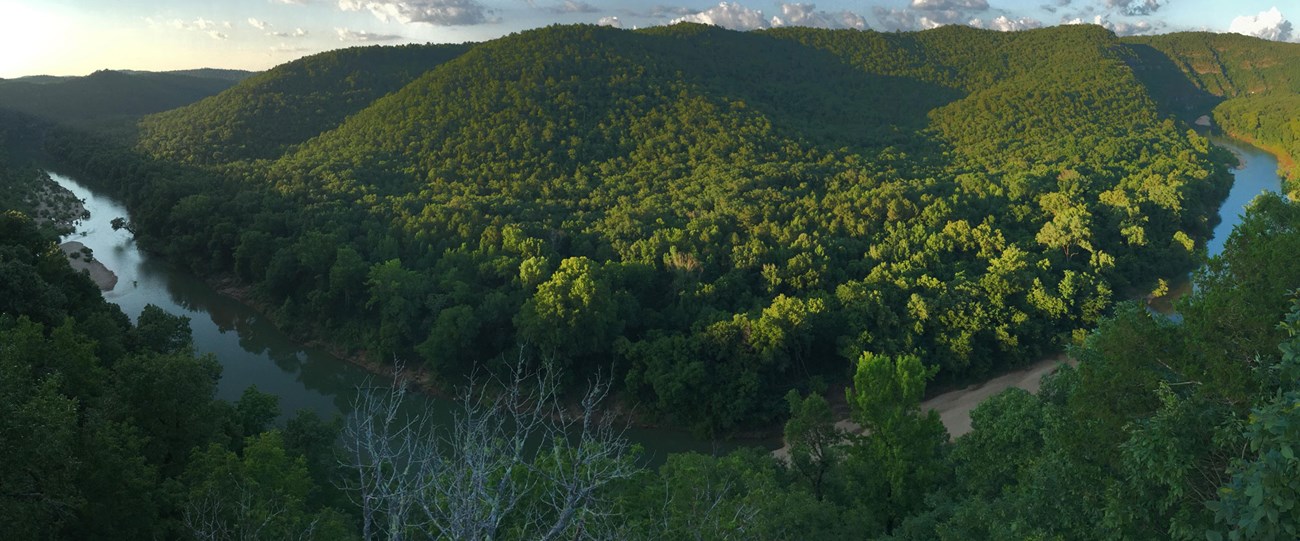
517, 462
230, 517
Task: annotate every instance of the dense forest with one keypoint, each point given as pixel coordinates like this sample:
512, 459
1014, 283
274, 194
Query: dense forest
716, 227
1164, 431
634, 204
1253, 86
111, 101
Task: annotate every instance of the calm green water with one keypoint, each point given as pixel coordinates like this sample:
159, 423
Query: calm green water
250, 349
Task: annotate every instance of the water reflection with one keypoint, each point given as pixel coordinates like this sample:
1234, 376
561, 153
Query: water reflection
250, 349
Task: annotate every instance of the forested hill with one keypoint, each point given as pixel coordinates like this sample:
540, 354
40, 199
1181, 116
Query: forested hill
107, 99
1252, 85
713, 216
268, 113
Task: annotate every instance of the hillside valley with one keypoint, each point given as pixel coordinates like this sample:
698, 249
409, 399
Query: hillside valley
713, 228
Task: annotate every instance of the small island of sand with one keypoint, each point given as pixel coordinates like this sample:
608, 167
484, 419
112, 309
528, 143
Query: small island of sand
102, 277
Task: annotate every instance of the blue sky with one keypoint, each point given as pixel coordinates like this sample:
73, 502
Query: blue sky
75, 37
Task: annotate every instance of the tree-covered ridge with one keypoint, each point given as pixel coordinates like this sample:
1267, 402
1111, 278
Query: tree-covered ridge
266, 114
1252, 85
715, 217
106, 99
1272, 122
1230, 65
110, 429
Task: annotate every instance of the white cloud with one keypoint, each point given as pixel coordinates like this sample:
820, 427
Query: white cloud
357, 35
573, 6
260, 25
950, 5
610, 21
285, 48
207, 26
1121, 28
1135, 7
1267, 24
198, 24
727, 15
665, 11
434, 12
907, 19
807, 15
737, 17
297, 33
1004, 23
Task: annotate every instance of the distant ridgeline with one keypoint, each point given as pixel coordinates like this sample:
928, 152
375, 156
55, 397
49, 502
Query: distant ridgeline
111, 100
1252, 85
711, 217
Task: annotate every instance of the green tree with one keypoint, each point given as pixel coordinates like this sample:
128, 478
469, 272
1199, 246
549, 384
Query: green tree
815, 442
904, 445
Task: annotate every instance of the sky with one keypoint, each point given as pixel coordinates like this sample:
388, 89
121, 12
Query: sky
76, 37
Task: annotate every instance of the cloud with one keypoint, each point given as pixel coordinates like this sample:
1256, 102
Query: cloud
610, 21
357, 35
1004, 23
1136, 7
807, 15
260, 25
1051, 8
950, 5
737, 17
1267, 24
907, 19
206, 26
1122, 28
727, 15
573, 6
285, 48
297, 33
434, 12
675, 11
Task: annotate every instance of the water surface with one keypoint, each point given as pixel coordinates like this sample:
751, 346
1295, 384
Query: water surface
250, 349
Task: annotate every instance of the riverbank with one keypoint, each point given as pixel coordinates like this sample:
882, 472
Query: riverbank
79, 260
48, 203
954, 406
423, 380
53, 205
1287, 167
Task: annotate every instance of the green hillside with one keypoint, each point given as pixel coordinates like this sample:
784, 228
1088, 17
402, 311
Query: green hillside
105, 99
1252, 86
728, 228
268, 113
715, 217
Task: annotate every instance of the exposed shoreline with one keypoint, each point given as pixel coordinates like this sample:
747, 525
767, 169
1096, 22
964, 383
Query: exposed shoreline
101, 275
59, 207
954, 406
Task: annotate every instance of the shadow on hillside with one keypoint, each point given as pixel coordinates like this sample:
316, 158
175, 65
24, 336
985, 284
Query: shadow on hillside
1175, 94
808, 93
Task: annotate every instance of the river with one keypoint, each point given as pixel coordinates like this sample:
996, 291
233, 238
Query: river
1257, 174
250, 349
254, 352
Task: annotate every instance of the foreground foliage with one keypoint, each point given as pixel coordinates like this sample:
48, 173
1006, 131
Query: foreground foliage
1163, 431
